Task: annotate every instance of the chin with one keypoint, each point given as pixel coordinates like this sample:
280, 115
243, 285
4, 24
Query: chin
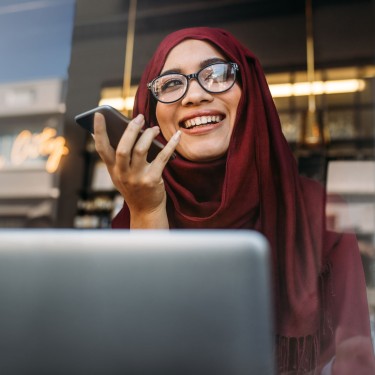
200, 157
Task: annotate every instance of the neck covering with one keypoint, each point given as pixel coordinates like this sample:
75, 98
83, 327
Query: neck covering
255, 186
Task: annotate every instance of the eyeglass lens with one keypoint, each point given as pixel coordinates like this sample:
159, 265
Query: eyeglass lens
214, 78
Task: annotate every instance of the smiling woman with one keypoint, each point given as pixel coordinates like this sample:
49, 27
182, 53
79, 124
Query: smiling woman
234, 169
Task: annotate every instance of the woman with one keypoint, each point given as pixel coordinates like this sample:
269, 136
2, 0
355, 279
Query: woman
205, 95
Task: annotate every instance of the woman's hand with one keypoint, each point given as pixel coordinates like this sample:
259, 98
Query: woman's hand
139, 182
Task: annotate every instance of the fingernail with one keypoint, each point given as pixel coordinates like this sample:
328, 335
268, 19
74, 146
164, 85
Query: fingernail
177, 135
139, 119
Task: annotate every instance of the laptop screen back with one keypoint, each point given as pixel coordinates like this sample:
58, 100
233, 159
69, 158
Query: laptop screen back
139, 302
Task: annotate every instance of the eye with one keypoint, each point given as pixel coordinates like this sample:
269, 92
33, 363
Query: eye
214, 73
170, 84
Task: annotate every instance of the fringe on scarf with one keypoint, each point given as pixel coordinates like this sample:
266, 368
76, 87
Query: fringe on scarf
297, 355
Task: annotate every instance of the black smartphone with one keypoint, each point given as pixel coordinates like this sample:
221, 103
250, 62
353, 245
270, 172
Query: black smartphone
116, 124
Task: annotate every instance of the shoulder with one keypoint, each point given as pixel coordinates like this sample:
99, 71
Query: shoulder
312, 189
314, 200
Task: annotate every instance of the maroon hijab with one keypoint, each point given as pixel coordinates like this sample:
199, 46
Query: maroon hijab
255, 186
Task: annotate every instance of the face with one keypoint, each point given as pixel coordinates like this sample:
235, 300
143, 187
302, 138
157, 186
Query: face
215, 113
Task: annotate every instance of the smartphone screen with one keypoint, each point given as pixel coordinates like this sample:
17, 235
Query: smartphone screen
116, 124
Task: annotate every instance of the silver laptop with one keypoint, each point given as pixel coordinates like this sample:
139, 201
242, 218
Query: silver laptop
111, 302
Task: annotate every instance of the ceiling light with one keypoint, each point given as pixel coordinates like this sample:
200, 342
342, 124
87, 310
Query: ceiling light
317, 88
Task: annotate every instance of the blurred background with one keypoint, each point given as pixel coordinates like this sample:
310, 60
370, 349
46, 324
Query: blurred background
63, 57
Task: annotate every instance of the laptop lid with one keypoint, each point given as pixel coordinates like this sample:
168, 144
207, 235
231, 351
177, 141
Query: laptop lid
134, 302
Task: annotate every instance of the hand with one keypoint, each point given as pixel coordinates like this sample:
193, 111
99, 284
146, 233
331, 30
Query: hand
139, 182
354, 356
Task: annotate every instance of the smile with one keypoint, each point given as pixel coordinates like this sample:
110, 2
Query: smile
201, 121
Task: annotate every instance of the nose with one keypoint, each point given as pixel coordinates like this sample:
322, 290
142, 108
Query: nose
195, 94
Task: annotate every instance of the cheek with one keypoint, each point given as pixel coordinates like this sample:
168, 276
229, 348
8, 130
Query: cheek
237, 93
158, 113
164, 118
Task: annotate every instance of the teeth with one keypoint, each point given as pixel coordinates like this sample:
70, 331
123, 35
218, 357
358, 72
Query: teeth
202, 120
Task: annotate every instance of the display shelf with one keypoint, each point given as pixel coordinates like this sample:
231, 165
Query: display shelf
95, 209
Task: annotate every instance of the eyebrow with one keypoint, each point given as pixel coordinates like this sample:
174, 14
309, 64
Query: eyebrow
202, 64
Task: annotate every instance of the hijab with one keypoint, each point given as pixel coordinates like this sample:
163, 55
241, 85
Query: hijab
255, 186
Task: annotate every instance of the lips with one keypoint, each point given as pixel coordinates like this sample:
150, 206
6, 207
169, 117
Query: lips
201, 121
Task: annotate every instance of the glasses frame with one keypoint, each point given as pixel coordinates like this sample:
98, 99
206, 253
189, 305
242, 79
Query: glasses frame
194, 76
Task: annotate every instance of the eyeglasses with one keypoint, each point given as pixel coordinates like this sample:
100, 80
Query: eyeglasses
214, 78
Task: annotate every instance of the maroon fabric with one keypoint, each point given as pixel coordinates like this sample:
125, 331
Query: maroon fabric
257, 186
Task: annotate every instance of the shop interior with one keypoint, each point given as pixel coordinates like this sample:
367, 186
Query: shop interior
318, 56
